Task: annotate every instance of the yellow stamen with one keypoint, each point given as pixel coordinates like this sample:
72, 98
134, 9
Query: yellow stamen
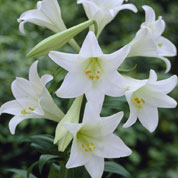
31, 109
24, 111
83, 146
88, 72
86, 150
91, 77
137, 100
143, 101
97, 77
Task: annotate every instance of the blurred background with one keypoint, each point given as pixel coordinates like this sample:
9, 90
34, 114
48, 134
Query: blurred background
155, 155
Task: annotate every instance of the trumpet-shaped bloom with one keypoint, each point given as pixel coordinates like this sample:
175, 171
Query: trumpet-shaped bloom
104, 11
47, 14
94, 140
62, 136
145, 96
32, 100
149, 42
90, 72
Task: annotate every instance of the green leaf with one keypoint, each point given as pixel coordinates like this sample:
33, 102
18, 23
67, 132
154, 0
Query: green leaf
54, 171
43, 144
58, 40
127, 70
29, 170
116, 168
44, 159
21, 172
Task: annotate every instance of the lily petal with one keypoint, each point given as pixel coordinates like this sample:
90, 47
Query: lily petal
113, 147
88, 50
149, 14
95, 166
148, 116
78, 85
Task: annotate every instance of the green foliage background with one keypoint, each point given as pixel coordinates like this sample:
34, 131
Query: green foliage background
155, 154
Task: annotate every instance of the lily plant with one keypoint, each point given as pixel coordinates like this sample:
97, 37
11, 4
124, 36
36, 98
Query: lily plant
94, 140
145, 96
148, 41
32, 100
104, 11
90, 72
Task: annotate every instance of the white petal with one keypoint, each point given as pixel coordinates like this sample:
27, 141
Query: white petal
46, 78
115, 84
95, 167
132, 117
112, 147
126, 6
33, 74
158, 99
143, 44
95, 95
167, 48
148, 116
68, 61
74, 84
152, 76
21, 88
158, 27
167, 62
77, 156
167, 85
73, 128
92, 111
149, 14
110, 123
11, 107
114, 60
49, 107
14, 122
90, 46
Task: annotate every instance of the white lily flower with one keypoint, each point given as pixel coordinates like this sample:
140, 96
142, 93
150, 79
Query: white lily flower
90, 72
32, 100
47, 14
104, 11
94, 140
149, 42
145, 96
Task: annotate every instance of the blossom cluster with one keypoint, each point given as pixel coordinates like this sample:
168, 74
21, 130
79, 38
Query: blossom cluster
94, 74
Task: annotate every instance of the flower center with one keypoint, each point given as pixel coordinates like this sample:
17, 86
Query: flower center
27, 111
93, 69
137, 102
86, 142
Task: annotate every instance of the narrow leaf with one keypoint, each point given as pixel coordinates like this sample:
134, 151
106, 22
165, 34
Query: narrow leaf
21, 172
29, 170
116, 168
44, 159
58, 40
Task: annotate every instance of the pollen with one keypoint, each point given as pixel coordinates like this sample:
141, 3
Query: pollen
86, 150
91, 147
31, 109
91, 77
97, 77
143, 101
24, 111
137, 100
83, 146
88, 72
